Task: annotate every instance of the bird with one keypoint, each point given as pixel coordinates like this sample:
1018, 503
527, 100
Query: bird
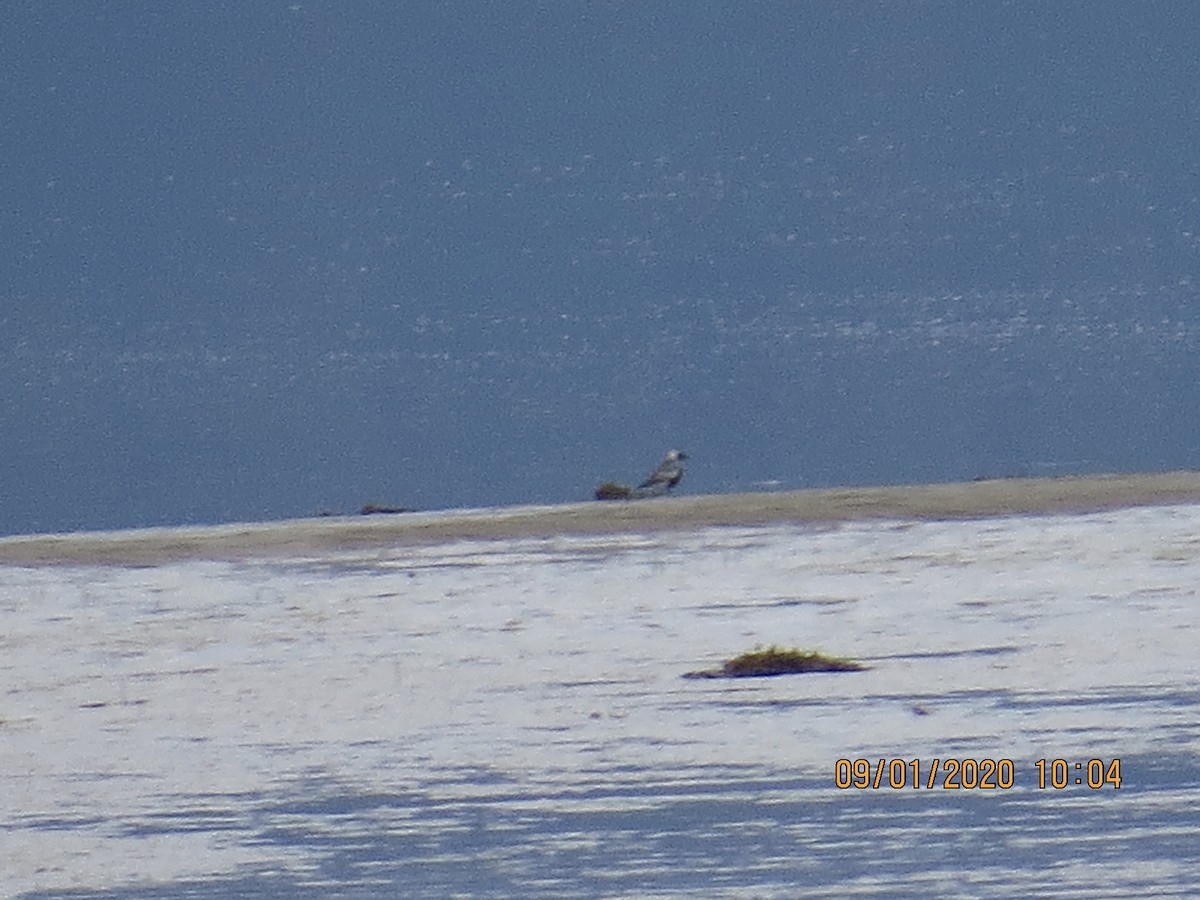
665, 477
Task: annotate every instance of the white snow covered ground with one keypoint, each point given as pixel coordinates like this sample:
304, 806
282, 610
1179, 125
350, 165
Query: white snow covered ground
508, 717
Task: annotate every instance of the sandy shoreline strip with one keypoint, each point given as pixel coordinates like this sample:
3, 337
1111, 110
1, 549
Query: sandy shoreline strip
302, 537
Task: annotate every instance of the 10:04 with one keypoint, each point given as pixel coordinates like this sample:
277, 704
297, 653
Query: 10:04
1095, 773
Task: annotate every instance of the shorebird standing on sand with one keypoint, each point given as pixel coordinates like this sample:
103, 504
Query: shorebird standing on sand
665, 477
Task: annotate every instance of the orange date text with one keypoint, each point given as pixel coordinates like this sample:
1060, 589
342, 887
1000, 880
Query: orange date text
915, 774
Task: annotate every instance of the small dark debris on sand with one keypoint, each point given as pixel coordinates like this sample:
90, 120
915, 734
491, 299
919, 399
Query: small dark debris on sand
610, 490
372, 509
760, 663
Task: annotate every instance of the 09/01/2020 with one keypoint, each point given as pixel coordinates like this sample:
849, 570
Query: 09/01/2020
971, 774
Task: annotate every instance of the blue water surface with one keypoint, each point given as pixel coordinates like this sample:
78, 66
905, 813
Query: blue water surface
273, 259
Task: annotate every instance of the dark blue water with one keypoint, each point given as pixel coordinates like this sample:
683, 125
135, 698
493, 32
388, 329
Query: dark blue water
275, 260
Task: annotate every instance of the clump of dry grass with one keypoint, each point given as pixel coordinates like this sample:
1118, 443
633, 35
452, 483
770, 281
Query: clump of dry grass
762, 662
